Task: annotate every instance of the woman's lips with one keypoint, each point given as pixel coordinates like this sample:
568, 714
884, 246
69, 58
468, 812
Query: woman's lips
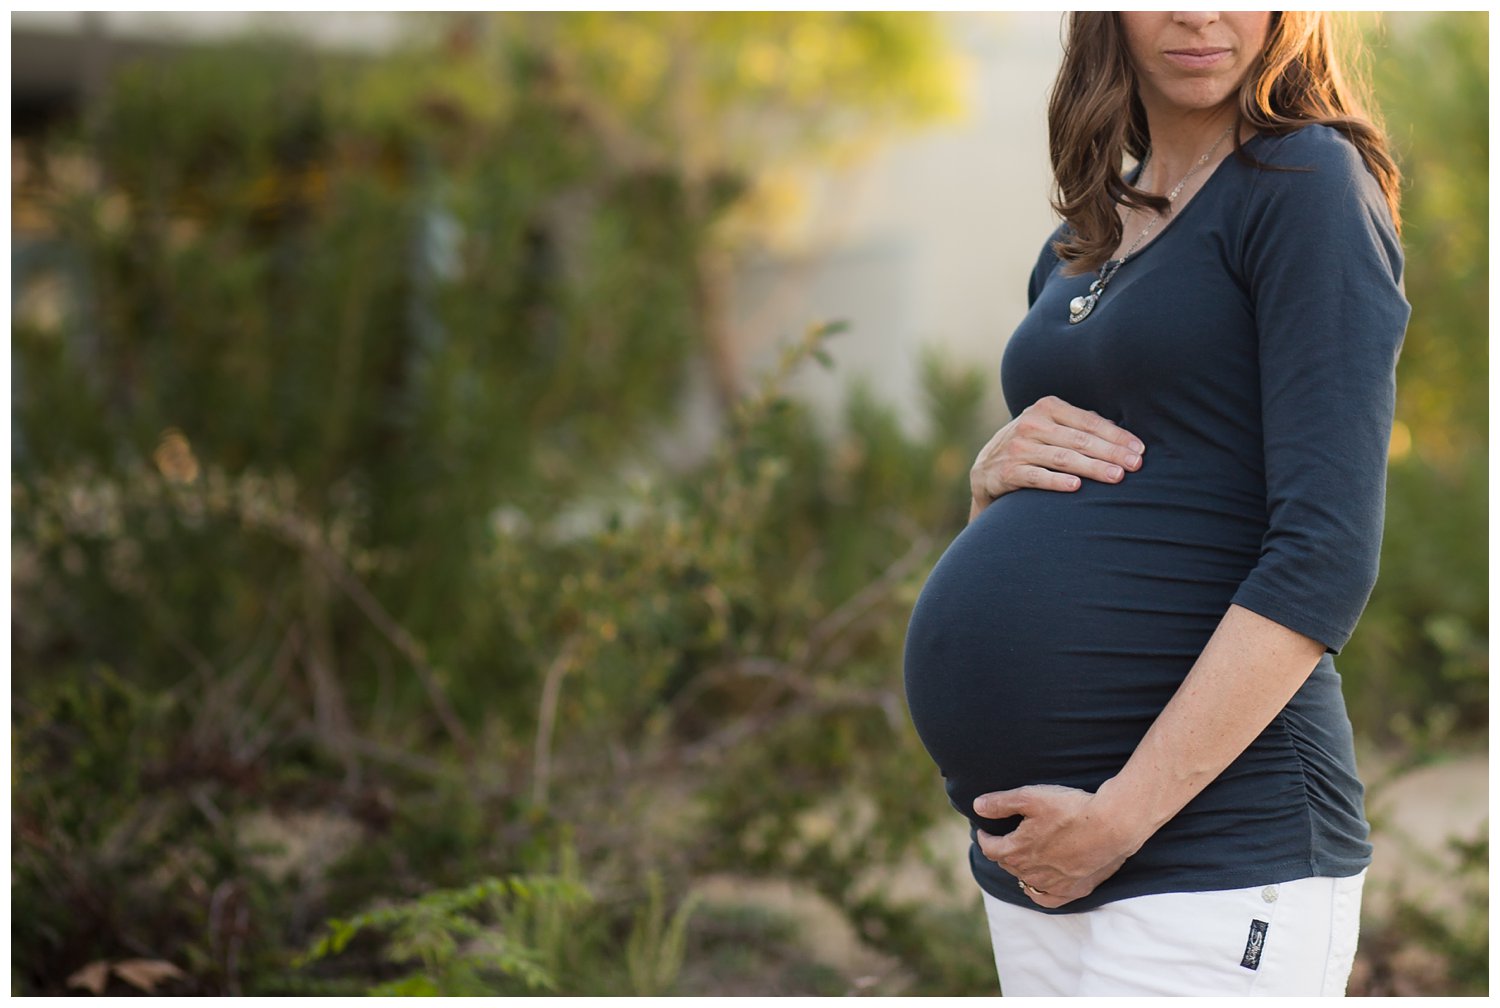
1195, 59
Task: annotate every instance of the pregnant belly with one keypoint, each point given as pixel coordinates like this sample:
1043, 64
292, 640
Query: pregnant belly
1056, 626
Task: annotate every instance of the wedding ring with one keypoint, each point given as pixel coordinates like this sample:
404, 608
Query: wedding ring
1030, 889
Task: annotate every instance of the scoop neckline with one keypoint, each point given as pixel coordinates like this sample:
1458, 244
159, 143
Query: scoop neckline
1136, 174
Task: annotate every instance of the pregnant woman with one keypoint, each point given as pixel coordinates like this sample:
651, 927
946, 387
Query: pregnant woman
1123, 666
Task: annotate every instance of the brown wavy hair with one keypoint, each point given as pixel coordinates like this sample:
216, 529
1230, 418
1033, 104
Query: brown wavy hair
1095, 117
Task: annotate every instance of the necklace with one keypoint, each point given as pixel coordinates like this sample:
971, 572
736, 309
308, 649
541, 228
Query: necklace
1080, 307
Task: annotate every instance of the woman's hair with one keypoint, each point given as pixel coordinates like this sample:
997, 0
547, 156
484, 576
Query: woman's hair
1095, 117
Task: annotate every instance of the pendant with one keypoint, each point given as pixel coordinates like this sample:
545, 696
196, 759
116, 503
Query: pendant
1079, 307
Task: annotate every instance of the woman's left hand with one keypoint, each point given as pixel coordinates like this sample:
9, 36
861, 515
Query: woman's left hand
1066, 844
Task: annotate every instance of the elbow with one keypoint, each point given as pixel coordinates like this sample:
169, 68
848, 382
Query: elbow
1356, 559
1332, 549
1319, 586
1366, 576
1347, 570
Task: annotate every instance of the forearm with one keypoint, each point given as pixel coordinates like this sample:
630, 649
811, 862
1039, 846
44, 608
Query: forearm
1245, 675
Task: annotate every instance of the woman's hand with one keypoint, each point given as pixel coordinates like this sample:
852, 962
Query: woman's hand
1049, 446
1068, 841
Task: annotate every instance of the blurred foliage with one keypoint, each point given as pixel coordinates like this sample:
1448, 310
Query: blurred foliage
343, 575
1428, 944
1418, 669
325, 385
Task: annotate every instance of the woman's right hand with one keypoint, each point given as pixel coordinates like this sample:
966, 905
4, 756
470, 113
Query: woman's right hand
1049, 447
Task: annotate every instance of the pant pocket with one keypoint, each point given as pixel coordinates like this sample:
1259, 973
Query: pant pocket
1348, 896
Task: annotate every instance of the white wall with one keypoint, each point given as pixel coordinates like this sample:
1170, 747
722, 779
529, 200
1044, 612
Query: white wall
929, 242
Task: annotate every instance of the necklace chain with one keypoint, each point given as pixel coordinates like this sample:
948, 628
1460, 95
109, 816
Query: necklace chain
1080, 307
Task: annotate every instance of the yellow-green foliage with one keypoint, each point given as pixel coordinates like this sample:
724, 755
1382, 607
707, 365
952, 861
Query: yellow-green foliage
1418, 668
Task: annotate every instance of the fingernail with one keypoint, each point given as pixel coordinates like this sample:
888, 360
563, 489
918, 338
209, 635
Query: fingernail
1133, 461
1115, 472
1136, 446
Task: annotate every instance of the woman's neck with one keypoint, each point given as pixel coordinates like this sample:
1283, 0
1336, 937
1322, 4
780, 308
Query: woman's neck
1177, 142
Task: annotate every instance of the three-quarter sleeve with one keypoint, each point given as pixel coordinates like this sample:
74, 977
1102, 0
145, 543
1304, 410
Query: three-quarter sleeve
1322, 265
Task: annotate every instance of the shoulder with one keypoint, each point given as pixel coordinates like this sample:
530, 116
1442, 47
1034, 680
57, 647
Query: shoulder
1046, 262
1312, 146
1313, 193
1312, 164
1314, 181
1047, 258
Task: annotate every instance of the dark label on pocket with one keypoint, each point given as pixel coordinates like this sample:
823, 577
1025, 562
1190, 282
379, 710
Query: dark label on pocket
1255, 944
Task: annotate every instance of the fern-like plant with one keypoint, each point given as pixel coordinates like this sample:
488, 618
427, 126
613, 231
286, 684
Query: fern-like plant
654, 951
453, 942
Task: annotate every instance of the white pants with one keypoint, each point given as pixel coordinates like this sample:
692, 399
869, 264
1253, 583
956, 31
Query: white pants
1292, 938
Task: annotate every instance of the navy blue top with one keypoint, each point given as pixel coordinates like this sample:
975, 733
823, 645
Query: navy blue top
1251, 345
